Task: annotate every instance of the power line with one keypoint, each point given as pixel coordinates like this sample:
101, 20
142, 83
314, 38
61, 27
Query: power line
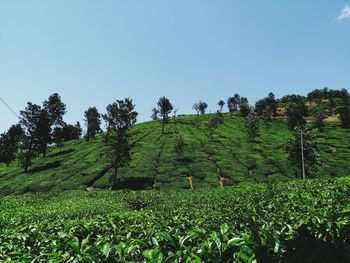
9, 107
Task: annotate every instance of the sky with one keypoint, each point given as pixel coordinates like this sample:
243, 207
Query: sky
94, 52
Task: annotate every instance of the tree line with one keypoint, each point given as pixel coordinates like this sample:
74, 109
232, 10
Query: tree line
42, 125
39, 126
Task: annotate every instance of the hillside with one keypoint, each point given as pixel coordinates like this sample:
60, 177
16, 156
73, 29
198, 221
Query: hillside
79, 163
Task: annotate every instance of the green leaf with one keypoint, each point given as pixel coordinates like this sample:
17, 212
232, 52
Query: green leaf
224, 228
74, 244
106, 249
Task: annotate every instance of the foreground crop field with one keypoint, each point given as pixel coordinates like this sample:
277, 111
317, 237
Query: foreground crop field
246, 223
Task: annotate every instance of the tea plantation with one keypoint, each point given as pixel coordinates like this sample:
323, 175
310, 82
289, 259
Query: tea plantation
227, 152
285, 222
263, 214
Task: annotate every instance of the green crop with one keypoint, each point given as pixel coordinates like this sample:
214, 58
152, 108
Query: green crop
246, 223
204, 155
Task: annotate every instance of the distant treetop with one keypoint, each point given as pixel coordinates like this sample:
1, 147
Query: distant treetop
326, 93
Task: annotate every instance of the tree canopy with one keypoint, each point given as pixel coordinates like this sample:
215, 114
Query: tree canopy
164, 109
120, 116
92, 122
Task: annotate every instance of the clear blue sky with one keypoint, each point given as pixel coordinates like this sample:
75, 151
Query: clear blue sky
93, 52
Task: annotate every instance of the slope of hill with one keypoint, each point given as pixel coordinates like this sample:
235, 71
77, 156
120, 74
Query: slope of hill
80, 164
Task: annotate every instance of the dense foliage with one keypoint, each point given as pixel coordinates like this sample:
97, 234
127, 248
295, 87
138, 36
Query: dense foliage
119, 118
268, 102
296, 114
326, 93
92, 120
344, 116
9, 144
246, 223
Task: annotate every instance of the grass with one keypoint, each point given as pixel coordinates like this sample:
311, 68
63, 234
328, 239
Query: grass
227, 152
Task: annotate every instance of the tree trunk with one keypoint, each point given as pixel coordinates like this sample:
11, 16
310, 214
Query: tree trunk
163, 125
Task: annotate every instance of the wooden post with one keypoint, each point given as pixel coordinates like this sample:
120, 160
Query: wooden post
154, 186
190, 181
221, 181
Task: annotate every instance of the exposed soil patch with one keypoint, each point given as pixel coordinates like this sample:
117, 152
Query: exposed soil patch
331, 118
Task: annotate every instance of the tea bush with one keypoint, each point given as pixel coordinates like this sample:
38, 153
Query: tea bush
291, 221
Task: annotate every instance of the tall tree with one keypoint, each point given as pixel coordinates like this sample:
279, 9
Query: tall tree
67, 133
164, 109
55, 109
326, 93
302, 151
58, 137
26, 152
267, 114
272, 102
78, 131
238, 98
9, 143
346, 97
202, 106
268, 102
244, 107
221, 104
92, 122
43, 132
155, 113
252, 126
319, 121
5, 152
31, 120
15, 132
344, 116
109, 118
196, 107
296, 113
121, 116
232, 104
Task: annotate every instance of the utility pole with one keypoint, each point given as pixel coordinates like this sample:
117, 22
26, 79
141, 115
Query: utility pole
302, 153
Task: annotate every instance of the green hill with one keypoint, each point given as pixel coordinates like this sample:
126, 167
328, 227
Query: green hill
79, 163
